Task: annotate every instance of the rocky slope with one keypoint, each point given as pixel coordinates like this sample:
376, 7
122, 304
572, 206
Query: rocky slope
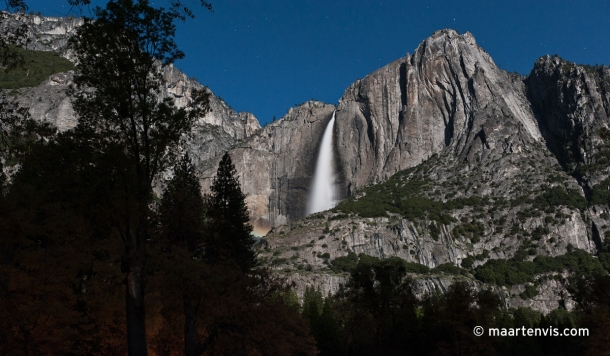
447, 98
503, 167
572, 105
442, 159
211, 136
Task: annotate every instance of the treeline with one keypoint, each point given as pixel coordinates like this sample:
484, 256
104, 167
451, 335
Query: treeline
62, 264
377, 313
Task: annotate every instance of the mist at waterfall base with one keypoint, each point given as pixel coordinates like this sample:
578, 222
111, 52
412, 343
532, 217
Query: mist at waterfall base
322, 195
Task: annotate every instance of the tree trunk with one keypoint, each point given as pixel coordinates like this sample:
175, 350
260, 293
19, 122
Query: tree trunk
190, 332
134, 296
136, 321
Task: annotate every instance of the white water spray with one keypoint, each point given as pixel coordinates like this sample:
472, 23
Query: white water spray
323, 190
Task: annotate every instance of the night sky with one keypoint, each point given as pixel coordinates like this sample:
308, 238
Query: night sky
264, 56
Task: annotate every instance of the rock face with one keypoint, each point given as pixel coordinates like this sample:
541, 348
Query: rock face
467, 129
448, 95
276, 165
44, 33
572, 105
502, 165
49, 102
212, 135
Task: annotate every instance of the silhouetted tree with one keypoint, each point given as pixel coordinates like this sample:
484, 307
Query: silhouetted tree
246, 314
120, 55
232, 240
592, 293
324, 326
182, 220
58, 288
182, 210
378, 306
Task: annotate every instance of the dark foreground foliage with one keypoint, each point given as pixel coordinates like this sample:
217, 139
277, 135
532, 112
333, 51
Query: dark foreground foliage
61, 286
377, 313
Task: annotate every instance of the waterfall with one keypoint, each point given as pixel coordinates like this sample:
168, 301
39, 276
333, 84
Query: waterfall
322, 195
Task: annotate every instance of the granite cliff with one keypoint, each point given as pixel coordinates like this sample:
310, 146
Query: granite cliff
211, 136
441, 158
472, 163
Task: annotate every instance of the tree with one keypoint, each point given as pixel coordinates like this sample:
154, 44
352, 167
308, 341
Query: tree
247, 314
227, 308
378, 305
181, 215
56, 276
232, 240
120, 55
592, 294
318, 311
182, 210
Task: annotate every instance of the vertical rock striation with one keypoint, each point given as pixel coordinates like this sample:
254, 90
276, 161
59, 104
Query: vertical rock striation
448, 95
572, 105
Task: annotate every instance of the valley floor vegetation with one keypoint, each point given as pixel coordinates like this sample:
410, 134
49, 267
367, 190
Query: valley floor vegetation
377, 313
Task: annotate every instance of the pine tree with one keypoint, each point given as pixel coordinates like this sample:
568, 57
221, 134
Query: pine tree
182, 224
232, 239
182, 210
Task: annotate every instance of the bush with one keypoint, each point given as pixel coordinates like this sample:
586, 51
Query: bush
472, 230
345, 263
468, 262
434, 231
505, 273
278, 261
350, 262
600, 194
447, 267
418, 268
401, 194
556, 196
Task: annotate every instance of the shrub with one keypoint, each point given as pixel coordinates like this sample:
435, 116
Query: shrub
345, 263
418, 268
278, 261
468, 262
434, 231
447, 267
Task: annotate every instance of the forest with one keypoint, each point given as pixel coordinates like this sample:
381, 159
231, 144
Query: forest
100, 256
